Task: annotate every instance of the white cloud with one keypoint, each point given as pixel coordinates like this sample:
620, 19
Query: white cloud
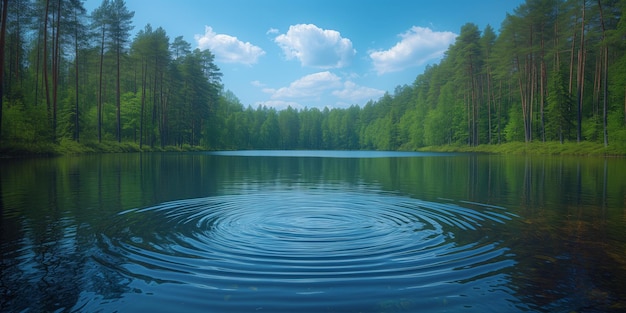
355, 93
272, 31
309, 86
319, 90
227, 48
417, 46
316, 47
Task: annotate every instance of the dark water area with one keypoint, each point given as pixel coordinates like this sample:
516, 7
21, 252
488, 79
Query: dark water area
312, 231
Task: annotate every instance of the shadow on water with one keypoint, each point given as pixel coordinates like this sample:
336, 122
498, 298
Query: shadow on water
116, 232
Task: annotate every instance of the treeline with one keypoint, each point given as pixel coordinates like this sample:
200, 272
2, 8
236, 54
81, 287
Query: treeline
555, 72
71, 75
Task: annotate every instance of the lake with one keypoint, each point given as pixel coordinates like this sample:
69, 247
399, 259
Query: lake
312, 231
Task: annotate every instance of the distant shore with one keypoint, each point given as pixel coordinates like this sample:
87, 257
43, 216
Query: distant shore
68, 147
539, 148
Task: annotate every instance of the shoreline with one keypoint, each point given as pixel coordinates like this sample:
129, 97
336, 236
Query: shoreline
68, 147
582, 149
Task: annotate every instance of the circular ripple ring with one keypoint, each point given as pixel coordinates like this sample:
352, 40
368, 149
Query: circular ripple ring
314, 237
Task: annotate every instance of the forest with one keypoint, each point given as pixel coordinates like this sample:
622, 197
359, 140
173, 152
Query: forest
555, 72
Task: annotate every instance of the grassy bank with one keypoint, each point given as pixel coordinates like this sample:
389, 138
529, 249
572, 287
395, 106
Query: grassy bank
539, 148
70, 147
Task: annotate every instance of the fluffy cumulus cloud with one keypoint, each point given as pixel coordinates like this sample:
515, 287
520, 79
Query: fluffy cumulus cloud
416, 47
354, 93
227, 48
316, 47
318, 90
309, 86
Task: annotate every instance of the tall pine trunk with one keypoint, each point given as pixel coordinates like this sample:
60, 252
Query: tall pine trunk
76, 111
144, 74
118, 96
542, 91
3, 27
605, 78
99, 108
45, 57
56, 59
154, 104
581, 75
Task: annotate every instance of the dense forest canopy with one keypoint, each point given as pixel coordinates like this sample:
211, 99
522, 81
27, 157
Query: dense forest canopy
556, 71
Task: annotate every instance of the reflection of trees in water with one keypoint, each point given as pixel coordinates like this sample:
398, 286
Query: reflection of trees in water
566, 266
47, 270
567, 244
564, 248
47, 238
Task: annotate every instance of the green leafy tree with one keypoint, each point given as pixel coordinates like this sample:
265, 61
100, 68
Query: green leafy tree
289, 125
487, 42
77, 15
120, 25
310, 128
269, 135
559, 110
466, 54
99, 18
151, 49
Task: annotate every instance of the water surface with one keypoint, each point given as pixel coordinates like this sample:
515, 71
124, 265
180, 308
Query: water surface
280, 231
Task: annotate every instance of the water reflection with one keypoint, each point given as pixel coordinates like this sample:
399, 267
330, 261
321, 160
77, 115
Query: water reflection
312, 248
65, 246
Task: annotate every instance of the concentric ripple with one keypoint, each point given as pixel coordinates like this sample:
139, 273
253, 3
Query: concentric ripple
309, 247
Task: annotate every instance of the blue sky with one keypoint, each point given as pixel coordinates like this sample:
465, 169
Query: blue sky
319, 53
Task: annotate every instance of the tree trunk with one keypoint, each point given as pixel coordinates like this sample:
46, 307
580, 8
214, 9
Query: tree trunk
99, 108
154, 105
76, 111
531, 97
605, 79
45, 56
581, 74
597, 85
489, 98
523, 98
605, 95
164, 122
499, 110
144, 74
56, 59
542, 92
37, 66
3, 27
571, 62
118, 96
469, 118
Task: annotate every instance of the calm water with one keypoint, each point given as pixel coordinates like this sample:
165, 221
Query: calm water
277, 231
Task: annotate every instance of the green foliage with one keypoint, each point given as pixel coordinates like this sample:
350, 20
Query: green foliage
617, 130
514, 130
514, 86
269, 135
130, 114
24, 124
559, 111
289, 128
